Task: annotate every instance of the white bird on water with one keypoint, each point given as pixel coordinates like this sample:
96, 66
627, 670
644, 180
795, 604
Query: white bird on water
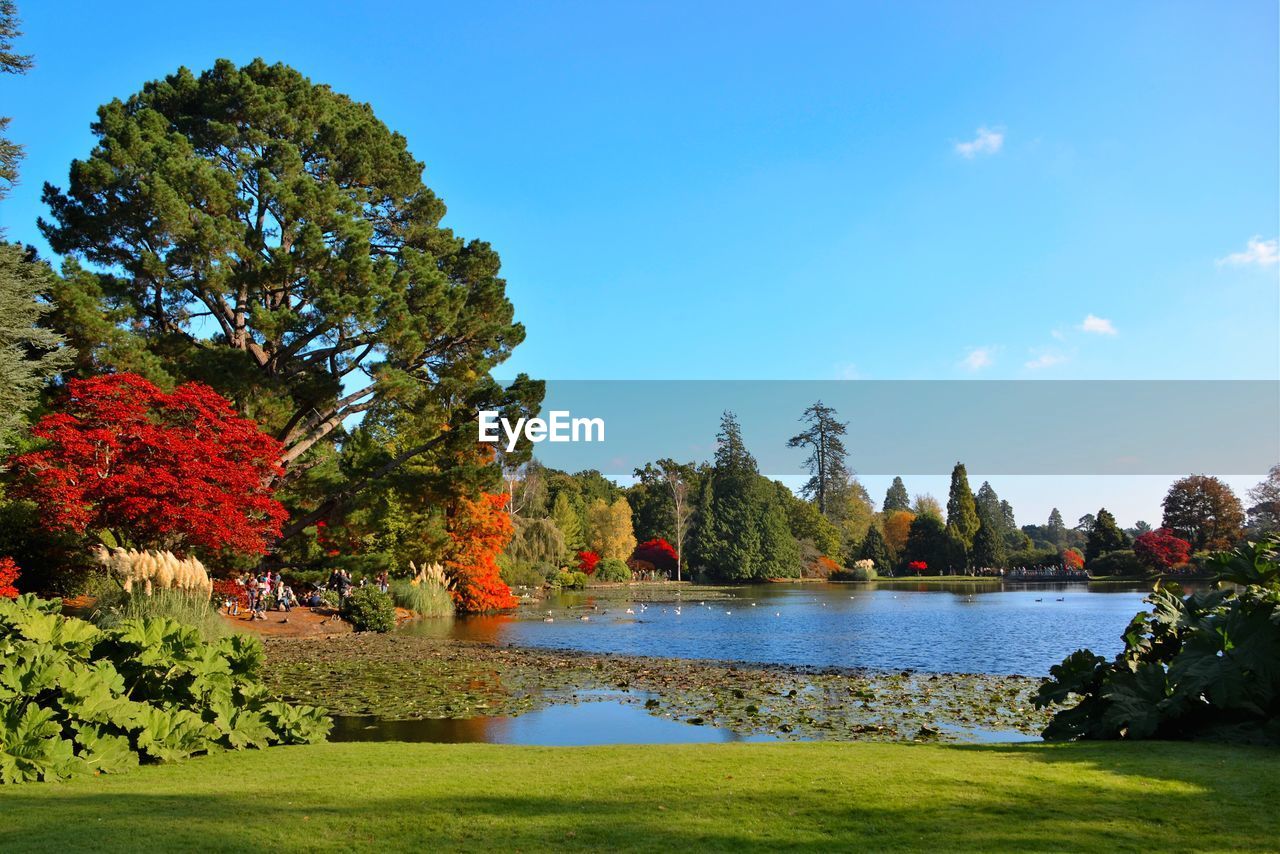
629, 611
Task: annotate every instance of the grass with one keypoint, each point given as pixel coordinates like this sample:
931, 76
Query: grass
733, 797
426, 599
112, 608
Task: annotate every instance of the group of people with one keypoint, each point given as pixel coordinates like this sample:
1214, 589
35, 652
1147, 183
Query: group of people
263, 592
269, 592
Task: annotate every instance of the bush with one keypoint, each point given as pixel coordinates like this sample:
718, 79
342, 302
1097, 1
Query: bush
863, 570
612, 569
115, 607
425, 599
368, 609
571, 580
1119, 562
331, 598
1196, 667
65, 709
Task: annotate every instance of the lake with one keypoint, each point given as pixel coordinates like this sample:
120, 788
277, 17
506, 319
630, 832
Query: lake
1017, 629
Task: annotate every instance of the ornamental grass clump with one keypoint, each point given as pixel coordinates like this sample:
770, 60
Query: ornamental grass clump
76, 699
1204, 666
425, 598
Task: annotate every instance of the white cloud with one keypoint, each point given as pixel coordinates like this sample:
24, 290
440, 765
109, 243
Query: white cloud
847, 371
978, 358
1264, 253
1097, 325
1045, 360
987, 141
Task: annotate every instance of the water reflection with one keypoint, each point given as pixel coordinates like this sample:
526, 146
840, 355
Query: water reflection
597, 722
1013, 628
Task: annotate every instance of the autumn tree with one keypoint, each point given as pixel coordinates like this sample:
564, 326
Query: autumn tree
828, 470
479, 531
1104, 536
658, 553
670, 485
1203, 511
926, 505
897, 526
609, 531
174, 470
895, 497
1161, 550
271, 237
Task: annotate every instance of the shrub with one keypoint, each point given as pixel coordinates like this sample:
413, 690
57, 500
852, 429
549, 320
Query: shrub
1196, 667
426, 599
116, 607
331, 598
65, 710
862, 570
571, 580
612, 569
587, 562
8, 578
368, 609
1119, 562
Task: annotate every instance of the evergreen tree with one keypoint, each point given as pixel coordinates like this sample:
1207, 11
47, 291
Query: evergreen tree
829, 473
895, 497
928, 542
271, 237
986, 500
962, 513
988, 544
10, 63
569, 521
779, 551
1104, 536
876, 550
29, 354
1057, 528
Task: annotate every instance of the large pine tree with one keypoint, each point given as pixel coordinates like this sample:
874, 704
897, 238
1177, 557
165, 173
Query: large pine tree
827, 466
962, 513
1104, 536
896, 497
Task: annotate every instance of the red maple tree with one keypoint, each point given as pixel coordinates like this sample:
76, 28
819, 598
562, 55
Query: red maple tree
157, 469
658, 552
8, 577
1161, 549
1072, 559
587, 562
917, 566
478, 532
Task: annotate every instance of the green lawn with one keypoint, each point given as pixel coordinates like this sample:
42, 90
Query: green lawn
390, 796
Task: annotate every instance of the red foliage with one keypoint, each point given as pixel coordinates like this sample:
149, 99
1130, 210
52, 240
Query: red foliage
171, 470
226, 588
587, 562
823, 566
917, 566
1161, 549
478, 532
8, 577
658, 552
1072, 559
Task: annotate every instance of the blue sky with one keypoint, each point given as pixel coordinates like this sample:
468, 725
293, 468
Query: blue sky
737, 190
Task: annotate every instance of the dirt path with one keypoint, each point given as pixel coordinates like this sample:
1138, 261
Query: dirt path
299, 623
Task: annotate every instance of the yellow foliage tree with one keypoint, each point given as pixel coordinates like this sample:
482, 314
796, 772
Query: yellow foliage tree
609, 532
897, 525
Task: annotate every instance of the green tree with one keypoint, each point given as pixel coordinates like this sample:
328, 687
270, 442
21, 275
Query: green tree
1203, 511
290, 221
10, 63
895, 497
876, 550
30, 354
928, 542
1104, 536
989, 543
568, 520
962, 512
1264, 513
807, 523
828, 470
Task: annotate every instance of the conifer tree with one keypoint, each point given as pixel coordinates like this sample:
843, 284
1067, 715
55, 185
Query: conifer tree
1104, 536
876, 550
896, 497
829, 472
962, 512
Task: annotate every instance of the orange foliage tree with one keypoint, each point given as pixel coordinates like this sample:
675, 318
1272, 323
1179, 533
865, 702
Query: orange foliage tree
478, 532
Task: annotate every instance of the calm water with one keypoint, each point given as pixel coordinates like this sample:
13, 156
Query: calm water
1021, 630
